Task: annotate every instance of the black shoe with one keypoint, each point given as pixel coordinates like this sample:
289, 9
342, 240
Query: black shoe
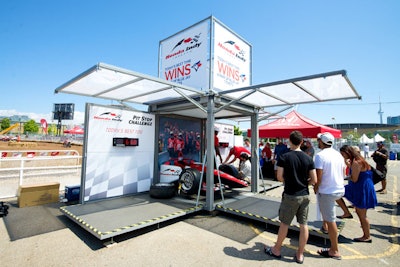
323, 230
269, 252
297, 260
343, 217
362, 240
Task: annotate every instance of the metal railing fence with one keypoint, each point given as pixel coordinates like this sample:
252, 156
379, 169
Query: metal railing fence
28, 169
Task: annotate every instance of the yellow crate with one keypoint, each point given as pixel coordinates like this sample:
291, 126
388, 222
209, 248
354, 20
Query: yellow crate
38, 194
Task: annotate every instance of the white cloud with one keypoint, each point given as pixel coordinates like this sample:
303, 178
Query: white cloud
79, 117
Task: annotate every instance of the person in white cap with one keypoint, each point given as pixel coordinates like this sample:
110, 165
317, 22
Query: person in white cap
331, 171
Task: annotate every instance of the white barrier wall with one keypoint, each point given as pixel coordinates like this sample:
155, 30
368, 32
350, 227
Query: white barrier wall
110, 170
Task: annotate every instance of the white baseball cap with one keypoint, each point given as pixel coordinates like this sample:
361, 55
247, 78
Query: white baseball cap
326, 138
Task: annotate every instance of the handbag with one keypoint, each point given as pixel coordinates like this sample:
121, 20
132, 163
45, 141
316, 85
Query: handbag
377, 175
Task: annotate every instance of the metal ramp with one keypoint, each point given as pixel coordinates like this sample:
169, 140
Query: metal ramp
115, 216
111, 217
264, 208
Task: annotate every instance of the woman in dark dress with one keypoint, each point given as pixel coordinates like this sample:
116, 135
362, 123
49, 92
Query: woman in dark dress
360, 190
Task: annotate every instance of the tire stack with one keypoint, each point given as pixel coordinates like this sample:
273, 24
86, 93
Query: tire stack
162, 190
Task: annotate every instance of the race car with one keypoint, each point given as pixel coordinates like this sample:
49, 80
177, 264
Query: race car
186, 175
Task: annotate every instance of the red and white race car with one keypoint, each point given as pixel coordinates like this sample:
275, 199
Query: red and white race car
186, 175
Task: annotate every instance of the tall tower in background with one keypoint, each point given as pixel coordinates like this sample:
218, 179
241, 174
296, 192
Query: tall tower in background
380, 111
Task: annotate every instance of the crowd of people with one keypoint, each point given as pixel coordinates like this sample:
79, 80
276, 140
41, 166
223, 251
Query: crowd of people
299, 167
325, 172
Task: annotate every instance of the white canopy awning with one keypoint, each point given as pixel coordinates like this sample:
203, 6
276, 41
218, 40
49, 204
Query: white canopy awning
365, 140
125, 86
378, 138
163, 97
309, 89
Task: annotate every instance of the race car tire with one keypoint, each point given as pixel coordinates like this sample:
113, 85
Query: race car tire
229, 169
162, 190
189, 181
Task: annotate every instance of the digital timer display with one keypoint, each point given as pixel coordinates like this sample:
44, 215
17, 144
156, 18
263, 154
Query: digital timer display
125, 141
131, 142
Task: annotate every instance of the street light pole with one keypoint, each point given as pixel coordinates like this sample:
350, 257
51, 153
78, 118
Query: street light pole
334, 123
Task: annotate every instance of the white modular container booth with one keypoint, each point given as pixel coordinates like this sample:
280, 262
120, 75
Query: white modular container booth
204, 74
120, 149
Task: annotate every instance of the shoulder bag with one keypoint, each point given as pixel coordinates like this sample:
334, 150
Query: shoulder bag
377, 175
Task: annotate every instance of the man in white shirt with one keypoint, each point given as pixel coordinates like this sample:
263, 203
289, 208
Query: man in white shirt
331, 169
245, 167
366, 151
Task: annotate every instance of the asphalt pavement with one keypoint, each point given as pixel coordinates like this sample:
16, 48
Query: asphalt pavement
207, 239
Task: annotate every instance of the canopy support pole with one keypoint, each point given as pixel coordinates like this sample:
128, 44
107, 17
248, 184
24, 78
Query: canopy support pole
255, 162
210, 151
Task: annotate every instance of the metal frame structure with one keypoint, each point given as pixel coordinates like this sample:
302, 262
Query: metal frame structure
166, 98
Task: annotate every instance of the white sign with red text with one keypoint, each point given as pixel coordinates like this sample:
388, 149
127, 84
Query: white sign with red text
205, 56
117, 170
184, 57
232, 60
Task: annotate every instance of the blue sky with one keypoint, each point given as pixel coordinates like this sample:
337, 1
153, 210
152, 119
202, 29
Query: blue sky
45, 43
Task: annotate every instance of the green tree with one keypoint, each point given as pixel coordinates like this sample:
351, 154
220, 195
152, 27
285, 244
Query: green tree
5, 123
237, 130
353, 137
52, 129
31, 127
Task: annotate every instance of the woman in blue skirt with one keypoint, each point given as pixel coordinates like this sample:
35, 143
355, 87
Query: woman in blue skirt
360, 190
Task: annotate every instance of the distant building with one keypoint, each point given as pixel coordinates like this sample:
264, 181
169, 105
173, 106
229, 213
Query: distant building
393, 120
362, 128
16, 118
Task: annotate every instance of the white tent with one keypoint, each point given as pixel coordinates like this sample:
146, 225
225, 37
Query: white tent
365, 140
378, 138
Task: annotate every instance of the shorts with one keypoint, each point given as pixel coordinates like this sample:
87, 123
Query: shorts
327, 207
294, 206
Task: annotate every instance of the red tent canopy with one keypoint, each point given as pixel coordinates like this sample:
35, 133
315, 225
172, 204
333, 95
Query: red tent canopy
75, 130
294, 121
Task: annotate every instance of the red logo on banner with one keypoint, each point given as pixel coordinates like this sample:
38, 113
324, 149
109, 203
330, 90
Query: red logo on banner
43, 123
